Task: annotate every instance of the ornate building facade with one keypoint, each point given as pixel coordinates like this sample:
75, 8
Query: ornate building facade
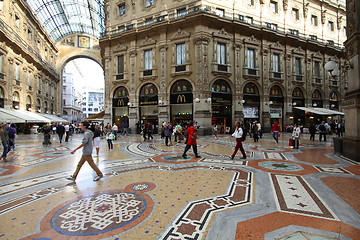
220, 61
28, 79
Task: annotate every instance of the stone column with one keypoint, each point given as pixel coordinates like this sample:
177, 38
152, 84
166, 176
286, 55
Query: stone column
202, 109
238, 95
265, 99
164, 107
134, 106
351, 104
107, 97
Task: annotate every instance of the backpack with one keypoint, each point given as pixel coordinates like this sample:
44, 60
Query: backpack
322, 128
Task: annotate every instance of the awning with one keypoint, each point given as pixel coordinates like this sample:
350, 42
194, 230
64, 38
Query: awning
53, 118
320, 111
98, 115
18, 116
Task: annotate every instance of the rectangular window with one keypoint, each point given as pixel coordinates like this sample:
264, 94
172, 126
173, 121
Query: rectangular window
90, 109
250, 58
331, 26
181, 13
249, 20
17, 72
120, 64
148, 21
250, 2
221, 53
274, 6
298, 67
149, 3
345, 31
29, 79
122, 9
317, 69
1, 4
180, 54
29, 34
1, 62
148, 59
295, 13
276, 62
314, 20
220, 12
39, 83
17, 21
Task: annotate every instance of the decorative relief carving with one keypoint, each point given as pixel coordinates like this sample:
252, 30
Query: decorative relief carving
323, 16
147, 41
119, 47
339, 22
163, 68
306, 9
238, 69
252, 40
222, 34
180, 34
285, 4
298, 50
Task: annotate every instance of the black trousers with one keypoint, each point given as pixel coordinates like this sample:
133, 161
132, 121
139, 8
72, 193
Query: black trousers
110, 144
167, 140
187, 147
312, 136
320, 136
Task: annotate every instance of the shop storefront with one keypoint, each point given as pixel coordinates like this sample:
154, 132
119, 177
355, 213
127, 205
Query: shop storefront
298, 100
221, 105
317, 100
181, 102
120, 106
251, 106
148, 102
277, 106
334, 101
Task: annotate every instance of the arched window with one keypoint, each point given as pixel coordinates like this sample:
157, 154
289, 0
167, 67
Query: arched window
16, 97
276, 91
28, 100
46, 106
220, 86
121, 92
52, 108
181, 86
297, 93
38, 105
2, 96
316, 95
333, 96
251, 89
148, 89
65, 113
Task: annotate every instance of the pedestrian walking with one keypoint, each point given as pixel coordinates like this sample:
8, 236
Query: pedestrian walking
149, 129
12, 132
215, 129
167, 133
339, 129
255, 131
322, 131
296, 136
97, 134
312, 131
259, 130
67, 132
238, 135
4, 136
60, 130
115, 130
87, 151
191, 140
275, 131
110, 137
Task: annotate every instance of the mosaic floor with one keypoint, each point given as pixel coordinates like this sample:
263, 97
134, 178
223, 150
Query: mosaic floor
150, 192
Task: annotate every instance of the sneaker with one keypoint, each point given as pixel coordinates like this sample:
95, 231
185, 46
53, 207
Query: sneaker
231, 157
70, 178
184, 156
97, 178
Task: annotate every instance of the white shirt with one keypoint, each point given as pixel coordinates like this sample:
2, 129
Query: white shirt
296, 133
237, 133
67, 128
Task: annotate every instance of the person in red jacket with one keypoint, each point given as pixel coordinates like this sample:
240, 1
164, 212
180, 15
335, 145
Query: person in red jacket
191, 140
276, 129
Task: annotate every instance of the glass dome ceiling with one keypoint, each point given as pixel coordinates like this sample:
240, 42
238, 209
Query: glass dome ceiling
65, 17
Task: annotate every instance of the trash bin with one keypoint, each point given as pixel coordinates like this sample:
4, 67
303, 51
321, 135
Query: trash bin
337, 145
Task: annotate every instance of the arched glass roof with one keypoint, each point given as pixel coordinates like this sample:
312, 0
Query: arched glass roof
64, 17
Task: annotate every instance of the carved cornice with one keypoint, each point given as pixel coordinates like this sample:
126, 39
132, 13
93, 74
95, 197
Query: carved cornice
201, 39
147, 41
222, 34
120, 48
252, 40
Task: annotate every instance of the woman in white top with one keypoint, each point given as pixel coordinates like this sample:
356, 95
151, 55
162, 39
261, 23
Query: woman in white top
238, 135
296, 136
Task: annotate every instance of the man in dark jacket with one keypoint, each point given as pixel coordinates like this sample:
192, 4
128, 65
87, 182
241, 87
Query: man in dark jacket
60, 130
322, 131
312, 131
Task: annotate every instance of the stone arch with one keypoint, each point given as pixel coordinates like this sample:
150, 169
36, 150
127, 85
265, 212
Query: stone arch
227, 80
143, 84
168, 91
322, 95
283, 89
302, 90
254, 82
113, 89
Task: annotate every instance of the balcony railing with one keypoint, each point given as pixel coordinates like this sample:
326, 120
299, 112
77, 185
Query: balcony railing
119, 76
318, 80
228, 15
277, 75
222, 68
180, 68
147, 73
252, 71
299, 78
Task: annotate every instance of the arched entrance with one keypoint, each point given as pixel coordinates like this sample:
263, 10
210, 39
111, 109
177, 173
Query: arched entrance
221, 104
277, 106
181, 102
317, 100
148, 102
334, 101
251, 106
16, 100
28, 103
2, 98
298, 101
120, 106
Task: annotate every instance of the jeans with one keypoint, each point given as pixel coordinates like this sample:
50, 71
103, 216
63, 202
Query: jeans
110, 144
296, 143
237, 147
215, 133
276, 136
6, 150
67, 134
60, 137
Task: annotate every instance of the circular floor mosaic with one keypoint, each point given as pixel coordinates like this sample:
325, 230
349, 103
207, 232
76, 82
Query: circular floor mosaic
98, 213
281, 166
176, 158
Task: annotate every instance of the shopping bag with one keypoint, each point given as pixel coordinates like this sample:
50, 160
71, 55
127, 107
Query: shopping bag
290, 142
